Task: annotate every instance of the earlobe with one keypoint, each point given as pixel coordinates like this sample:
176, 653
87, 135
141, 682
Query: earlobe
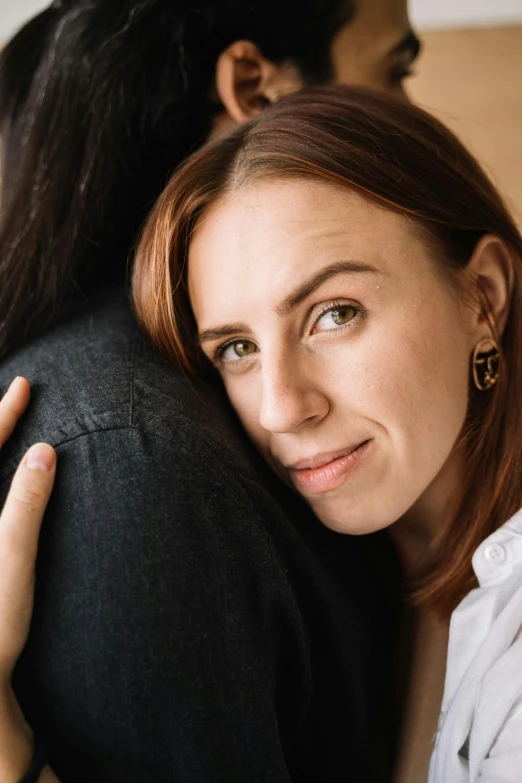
492, 266
246, 82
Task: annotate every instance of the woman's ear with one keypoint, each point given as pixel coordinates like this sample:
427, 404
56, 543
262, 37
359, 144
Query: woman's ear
492, 266
246, 81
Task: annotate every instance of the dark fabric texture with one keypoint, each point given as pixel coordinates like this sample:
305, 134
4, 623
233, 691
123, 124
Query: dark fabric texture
193, 620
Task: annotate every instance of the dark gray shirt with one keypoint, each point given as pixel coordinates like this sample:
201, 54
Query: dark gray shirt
193, 621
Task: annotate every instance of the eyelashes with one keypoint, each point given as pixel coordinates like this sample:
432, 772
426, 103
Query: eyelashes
342, 310
219, 353
246, 348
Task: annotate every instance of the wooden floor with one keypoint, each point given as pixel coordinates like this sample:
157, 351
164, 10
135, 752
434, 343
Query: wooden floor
472, 80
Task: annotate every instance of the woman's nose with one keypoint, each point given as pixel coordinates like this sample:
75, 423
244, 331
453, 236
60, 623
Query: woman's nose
289, 398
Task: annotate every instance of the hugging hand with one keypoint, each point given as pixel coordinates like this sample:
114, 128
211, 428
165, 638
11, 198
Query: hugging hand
20, 523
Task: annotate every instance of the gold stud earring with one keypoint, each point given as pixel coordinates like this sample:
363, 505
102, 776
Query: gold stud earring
486, 365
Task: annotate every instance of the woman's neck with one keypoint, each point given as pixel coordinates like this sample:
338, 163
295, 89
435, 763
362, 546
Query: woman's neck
414, 532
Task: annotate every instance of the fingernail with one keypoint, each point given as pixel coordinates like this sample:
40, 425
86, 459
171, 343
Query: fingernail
41, 457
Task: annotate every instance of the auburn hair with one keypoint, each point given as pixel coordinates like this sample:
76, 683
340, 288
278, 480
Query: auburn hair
400, 157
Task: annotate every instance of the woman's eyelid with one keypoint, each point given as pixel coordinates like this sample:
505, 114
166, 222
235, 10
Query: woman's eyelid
319, 311
218, 353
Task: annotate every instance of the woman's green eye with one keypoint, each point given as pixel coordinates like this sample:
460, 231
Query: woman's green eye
238, 350
244, 349
343, 315
335, 317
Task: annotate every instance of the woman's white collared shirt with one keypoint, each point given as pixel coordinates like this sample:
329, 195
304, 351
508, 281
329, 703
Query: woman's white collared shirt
479, 737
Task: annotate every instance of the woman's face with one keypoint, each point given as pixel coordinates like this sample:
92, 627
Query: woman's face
343, 350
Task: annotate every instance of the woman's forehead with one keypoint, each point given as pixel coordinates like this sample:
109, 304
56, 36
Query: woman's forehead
282, 224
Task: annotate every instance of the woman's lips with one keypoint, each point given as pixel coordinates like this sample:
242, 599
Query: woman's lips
331, 475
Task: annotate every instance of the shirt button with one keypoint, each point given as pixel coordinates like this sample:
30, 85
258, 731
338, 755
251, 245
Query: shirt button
495, 553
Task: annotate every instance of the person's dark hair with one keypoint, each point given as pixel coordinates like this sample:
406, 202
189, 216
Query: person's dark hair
401, 158
99, 101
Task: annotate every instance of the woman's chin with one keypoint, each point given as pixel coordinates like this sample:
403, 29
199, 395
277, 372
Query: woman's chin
347, 518
353, 527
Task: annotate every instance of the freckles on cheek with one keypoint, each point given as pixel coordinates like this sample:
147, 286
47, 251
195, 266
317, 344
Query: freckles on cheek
393, 380
384, 370
424, 390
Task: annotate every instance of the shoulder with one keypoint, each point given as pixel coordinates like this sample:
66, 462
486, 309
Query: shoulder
95, 373
482, 706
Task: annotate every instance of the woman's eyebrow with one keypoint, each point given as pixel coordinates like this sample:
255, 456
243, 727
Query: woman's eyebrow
221, 331
292, 300
304, 290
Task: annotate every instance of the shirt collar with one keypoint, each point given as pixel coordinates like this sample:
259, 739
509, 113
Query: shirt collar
496, 557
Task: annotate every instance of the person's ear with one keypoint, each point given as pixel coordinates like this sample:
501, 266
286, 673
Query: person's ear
492, 267
246, 81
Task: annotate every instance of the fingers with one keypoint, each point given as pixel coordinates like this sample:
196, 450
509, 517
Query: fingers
13, 404
20, 524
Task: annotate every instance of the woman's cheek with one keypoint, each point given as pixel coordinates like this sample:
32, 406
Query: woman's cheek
405, 376
244, 396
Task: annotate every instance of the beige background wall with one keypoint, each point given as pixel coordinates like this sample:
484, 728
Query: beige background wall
472, 80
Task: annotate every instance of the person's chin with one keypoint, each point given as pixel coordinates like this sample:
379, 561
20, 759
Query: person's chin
343, 517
